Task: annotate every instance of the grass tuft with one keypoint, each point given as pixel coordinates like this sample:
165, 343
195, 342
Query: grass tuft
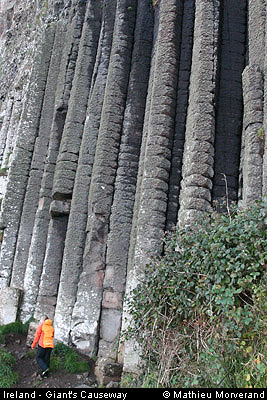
8, 376
64, 357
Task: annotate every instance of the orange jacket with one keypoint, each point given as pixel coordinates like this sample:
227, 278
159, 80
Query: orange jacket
44, 334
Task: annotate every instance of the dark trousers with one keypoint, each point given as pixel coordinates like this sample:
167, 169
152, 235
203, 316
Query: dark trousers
43, 357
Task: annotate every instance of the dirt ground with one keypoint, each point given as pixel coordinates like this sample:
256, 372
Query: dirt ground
28, 370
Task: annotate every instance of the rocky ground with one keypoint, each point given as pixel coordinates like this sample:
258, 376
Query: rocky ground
28, 369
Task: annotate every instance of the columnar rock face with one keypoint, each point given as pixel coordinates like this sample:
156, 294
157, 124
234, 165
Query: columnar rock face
121, 120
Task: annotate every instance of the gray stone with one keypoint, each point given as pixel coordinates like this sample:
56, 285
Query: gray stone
76, 233
201, 113
151, 221
87, 309
253, 135
130, 124
125, 183
110, 325
48, 286
185, 58
59, 208
20, 168
107, 371
40, 231
31, 332
9, 301
78, 102
31, 199
256, 32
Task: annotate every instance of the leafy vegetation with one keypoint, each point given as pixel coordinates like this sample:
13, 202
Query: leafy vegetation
63, 357
8, 376
204, 322
14, 327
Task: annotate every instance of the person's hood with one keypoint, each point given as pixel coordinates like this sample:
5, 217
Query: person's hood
48, 322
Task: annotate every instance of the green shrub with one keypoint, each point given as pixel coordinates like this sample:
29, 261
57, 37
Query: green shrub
8, 376
204, 321
64, 357
15, 327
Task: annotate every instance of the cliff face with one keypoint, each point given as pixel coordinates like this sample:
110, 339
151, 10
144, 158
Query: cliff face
134, 116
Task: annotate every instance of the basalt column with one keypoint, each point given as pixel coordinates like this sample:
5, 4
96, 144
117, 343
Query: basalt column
125, 184
11, 134
4, 130
198, 159
157, 151
256, 32
181, 112
140, 116
8, 120
67, 159
229, 101
20, 168
71, 37
48, 288
144, 137
253, 134
253, 154
71, 139
86, 312
31, 199
76, 233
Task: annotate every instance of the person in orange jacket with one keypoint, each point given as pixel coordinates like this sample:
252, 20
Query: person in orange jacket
44, 335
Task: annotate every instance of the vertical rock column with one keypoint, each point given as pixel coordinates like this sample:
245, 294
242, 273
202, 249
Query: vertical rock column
229, 101
181, 111
125, 184
144, 136
6, 144
12, 131
76, 233
67, 159
256, 32
20, 168
151, 216
71, 37
253, 134
48, 288
72, 135
86, 312
197, 171
253, 154
4, 130
37, 167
